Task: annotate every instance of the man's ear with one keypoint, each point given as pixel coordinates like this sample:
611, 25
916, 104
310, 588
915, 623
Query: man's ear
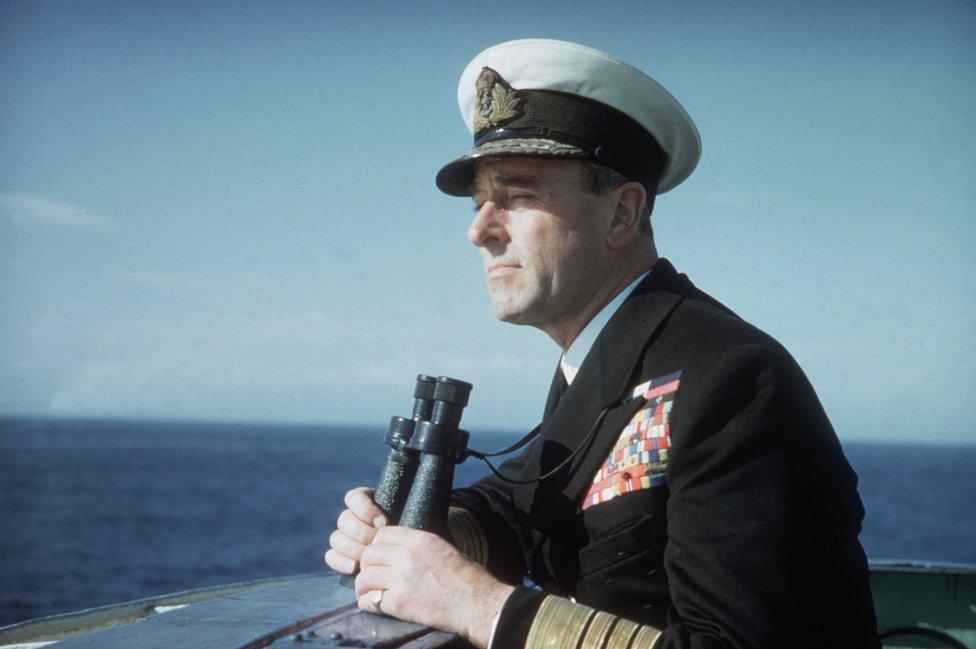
628, 207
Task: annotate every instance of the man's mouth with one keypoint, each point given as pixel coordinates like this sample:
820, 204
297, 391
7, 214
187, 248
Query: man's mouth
498, 268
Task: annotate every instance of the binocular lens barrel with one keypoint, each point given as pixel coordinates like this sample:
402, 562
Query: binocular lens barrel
441, 445
429, 500
401, 462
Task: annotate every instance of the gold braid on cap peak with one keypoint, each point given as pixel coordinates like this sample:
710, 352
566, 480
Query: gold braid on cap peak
498, 103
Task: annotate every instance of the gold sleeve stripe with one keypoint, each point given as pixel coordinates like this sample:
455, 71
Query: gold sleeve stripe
467, 534
645, 638
558, 624
622, 635
562, 624
599, 631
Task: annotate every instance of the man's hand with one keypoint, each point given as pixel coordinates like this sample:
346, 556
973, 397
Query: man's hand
355, 530
419, 577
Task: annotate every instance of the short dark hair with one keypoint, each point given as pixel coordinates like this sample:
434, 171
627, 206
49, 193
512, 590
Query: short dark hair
600, 179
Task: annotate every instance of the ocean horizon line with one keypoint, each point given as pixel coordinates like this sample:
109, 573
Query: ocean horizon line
225, 423
307, 426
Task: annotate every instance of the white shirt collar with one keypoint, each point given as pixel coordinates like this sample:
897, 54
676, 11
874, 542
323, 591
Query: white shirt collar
573, 357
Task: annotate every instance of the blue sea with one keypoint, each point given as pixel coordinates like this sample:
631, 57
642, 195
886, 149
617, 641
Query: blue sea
97, 512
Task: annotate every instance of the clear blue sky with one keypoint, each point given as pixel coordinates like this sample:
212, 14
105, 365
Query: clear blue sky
226, 211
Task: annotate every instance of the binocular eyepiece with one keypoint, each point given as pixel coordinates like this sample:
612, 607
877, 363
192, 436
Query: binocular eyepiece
414, 488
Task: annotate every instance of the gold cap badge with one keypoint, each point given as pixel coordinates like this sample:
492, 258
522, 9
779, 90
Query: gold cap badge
498, 103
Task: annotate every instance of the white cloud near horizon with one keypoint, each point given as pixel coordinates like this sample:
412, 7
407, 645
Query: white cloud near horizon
22, 207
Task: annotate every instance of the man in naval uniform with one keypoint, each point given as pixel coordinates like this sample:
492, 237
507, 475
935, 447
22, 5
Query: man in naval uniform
686, 488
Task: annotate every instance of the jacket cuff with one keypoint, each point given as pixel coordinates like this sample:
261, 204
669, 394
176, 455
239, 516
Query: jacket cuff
467, 534
485, 536
516, 618
533, 620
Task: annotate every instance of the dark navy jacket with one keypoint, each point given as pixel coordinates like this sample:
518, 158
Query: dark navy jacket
750, 541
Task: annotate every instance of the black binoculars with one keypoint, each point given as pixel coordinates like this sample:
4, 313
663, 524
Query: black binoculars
414, 488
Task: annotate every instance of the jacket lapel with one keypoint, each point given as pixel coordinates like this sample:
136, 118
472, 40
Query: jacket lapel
556, 390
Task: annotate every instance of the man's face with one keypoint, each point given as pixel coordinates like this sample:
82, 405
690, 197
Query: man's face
541, 235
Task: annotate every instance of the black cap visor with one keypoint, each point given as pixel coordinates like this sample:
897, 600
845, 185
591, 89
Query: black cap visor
457, 176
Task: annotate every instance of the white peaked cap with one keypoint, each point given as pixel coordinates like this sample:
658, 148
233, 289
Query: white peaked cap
559, 66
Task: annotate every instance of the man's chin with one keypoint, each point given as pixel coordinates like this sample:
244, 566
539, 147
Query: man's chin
510, 318
515, 306
513, 315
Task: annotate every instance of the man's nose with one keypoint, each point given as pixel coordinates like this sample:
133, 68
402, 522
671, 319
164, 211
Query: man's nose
488, 226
